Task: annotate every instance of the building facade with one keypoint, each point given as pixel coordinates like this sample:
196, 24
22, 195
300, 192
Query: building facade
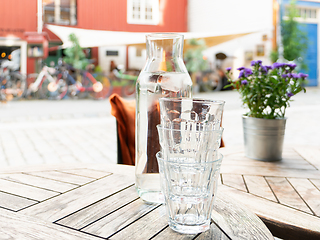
309, 17
23, 25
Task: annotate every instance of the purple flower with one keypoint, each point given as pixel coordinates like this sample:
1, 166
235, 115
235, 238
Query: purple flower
303, 75
240, 68
291, 65
264, 69
256, 62
284, 75
295, 75
228, 69
278, 65
289, 94
247, 72
289, 75
244, 82
241, 74
268, 67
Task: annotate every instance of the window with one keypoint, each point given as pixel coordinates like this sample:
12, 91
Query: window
112, 53
60, 11
305, 13
143, 12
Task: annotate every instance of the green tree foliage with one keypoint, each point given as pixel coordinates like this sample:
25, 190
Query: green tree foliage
74, 54
194, 57
294, 39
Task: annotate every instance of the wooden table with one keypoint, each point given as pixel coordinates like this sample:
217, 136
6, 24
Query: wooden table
100, 201
284, 194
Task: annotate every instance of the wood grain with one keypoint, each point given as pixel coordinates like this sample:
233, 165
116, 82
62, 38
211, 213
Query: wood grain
19, 226
70, 202
272, 172
26, 191
293, 222
13, 202
120, 219
309, 193
311, 154
147, 226
63, 177
286, 194
258, 186
39, 182
240, 223
85, 172
235, 181
94, 212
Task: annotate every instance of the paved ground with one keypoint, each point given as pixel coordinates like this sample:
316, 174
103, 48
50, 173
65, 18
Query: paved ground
74, 131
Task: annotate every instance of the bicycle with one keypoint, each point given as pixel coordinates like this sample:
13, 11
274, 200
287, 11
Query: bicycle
94, 85
12, 82
48, 84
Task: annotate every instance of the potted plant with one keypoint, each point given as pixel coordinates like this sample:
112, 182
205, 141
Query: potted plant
266, 91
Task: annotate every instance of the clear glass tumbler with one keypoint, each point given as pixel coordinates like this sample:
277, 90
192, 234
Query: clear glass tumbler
164, 75
191, 113
184, 145
189, 190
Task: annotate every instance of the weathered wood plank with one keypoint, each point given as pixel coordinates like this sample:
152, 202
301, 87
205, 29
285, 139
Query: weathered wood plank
19, 226
168, 233
309, 193
63, 177
147, 226
87, 172
213, 233
272, 172
286, 163
316, 182
311, 154
13, 202
26, 191
286, 193
74, 200
258, 186
100, 209
40, 182
287, 222
120, 219
234, 180
236, 221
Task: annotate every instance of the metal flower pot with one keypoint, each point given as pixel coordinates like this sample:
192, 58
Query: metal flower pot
263, 138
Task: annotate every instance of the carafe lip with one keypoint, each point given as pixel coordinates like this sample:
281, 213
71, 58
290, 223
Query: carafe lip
156, 36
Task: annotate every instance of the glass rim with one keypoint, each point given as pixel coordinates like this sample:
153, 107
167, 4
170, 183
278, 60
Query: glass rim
180, 99
159, 156
160, 126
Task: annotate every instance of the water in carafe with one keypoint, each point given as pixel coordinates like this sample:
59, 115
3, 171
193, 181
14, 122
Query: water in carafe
164, 75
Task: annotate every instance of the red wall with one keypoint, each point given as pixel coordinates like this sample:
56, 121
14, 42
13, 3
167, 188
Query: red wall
17, 17
112, 15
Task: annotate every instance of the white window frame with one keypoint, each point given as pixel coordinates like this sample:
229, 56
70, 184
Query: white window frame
142, 20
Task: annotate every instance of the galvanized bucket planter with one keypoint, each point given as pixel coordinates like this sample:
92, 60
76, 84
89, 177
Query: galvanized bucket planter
263, 138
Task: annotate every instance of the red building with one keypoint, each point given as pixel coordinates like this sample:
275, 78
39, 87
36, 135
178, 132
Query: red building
23, 23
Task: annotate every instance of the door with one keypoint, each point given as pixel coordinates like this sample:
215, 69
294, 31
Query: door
312, 54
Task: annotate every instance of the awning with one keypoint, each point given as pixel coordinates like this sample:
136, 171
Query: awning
98, 38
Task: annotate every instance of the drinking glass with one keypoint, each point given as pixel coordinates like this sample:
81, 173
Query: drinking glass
189, 189
191, 113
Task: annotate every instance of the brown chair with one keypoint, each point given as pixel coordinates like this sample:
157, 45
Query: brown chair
124, 112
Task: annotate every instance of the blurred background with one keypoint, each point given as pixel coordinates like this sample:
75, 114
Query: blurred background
101, 36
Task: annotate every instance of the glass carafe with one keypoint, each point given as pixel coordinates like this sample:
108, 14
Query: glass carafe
164, 75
